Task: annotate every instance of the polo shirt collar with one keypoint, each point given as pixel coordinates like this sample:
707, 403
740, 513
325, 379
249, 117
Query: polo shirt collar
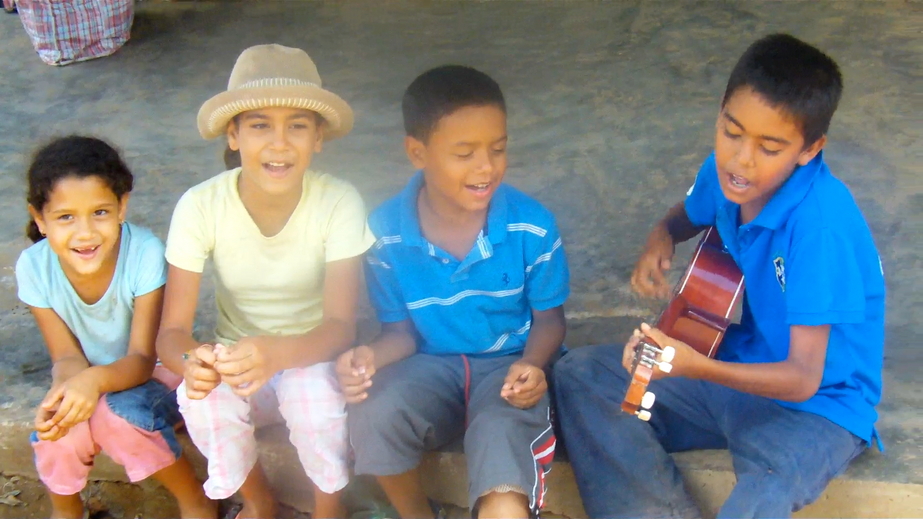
790, 194
411, 231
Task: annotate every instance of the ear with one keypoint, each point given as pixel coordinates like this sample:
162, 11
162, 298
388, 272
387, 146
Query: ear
319, 143
232, 132
808, 154
36, 215
416, 151
123, 206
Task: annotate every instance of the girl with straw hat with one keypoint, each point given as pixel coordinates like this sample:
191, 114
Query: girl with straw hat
285, 243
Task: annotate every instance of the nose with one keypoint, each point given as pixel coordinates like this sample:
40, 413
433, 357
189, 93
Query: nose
280, 137
85, 227
746, 153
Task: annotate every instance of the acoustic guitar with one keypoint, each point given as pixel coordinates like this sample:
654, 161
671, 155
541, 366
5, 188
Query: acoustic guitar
698, 314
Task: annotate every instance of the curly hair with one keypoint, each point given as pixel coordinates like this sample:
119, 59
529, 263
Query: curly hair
78, 157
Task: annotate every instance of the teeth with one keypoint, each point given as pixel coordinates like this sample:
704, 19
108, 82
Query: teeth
481, 186
277, 164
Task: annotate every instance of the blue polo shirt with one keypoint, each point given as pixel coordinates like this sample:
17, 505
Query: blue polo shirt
482, 305
808, 258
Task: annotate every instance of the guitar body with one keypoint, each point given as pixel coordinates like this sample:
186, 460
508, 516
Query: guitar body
698, 314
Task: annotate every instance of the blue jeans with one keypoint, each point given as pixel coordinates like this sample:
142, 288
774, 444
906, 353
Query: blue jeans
783, 458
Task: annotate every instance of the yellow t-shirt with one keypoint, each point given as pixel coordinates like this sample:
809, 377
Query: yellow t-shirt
267, 285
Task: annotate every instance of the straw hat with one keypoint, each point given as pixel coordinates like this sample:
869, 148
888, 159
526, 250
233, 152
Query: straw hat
273, 75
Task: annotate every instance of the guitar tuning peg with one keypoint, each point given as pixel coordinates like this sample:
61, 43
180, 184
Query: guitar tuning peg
666, 367
647, 401
644, 415
668, 354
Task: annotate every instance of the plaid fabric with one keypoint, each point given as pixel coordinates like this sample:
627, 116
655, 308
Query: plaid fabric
308, 400
68, 31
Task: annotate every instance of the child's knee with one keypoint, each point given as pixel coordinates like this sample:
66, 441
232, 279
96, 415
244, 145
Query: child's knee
63, 465
502, 505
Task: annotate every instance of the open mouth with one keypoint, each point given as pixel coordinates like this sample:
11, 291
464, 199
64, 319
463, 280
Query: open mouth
479, 189
86, 252
277, 169
738, 181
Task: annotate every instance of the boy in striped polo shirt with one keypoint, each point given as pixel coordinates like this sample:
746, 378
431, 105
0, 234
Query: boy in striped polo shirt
468, 278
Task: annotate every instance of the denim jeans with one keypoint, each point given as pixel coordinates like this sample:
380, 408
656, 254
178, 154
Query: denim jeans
783, 458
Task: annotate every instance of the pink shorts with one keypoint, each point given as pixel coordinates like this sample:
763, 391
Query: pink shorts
134, 427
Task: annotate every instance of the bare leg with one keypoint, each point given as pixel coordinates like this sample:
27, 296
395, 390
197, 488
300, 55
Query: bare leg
506, 505
328, 506
258, 500
181, 481
66, 507
406, 494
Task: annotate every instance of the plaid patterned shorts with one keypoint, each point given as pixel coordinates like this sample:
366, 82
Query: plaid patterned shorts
308, 400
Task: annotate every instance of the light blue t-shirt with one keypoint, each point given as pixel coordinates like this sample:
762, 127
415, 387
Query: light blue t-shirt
102, 328
808, 259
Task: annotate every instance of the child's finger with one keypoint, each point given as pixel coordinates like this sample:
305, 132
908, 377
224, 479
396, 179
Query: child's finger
53, 398
206, 354
70, 418
233, 367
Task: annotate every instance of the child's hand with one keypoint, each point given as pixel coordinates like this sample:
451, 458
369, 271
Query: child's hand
44, 427
648, 278
70, 403
243, 366
355, 369
200, 375
524, 385
683, 361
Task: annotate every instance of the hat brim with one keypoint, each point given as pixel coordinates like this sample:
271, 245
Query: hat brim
217, 112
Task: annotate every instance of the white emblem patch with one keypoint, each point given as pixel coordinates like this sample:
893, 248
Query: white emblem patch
779, 264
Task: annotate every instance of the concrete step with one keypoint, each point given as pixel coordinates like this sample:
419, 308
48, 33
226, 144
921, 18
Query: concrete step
708, 474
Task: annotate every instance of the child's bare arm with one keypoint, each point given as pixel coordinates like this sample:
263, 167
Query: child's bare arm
525, 381
647, 278
66, 354
794, 379
181, 296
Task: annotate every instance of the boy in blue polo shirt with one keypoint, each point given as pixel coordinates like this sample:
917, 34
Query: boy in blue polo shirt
468, 278
793, 391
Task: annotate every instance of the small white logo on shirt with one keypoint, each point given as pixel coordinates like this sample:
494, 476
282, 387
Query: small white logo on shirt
691, 188
779, 264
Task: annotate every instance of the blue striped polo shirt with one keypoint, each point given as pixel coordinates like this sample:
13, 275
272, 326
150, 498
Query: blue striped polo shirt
482, 305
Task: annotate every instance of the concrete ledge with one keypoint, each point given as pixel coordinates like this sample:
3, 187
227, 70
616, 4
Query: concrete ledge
709, 477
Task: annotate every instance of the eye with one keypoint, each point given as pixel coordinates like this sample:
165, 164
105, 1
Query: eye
299, 126
769, 152
729, 135
465, 155
101, 212
498, 151
259, 126
65, 217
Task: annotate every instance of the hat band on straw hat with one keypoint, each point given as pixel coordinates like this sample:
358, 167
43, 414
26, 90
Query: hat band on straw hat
275, 82
243, 105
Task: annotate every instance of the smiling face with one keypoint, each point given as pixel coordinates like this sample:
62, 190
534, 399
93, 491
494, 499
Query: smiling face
276, 146
464, 159
82, 223
757, 147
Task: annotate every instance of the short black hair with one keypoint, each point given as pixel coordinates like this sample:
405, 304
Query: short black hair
73, 156
793, 76
441, 91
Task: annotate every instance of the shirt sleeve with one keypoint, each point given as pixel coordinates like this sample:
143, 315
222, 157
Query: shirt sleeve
31, 290
150, 267
384, 289
347, 233
823, 282
547, 275
701, 200
191, 239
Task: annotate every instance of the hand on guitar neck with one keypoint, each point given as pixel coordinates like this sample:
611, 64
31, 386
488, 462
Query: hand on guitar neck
676, 358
